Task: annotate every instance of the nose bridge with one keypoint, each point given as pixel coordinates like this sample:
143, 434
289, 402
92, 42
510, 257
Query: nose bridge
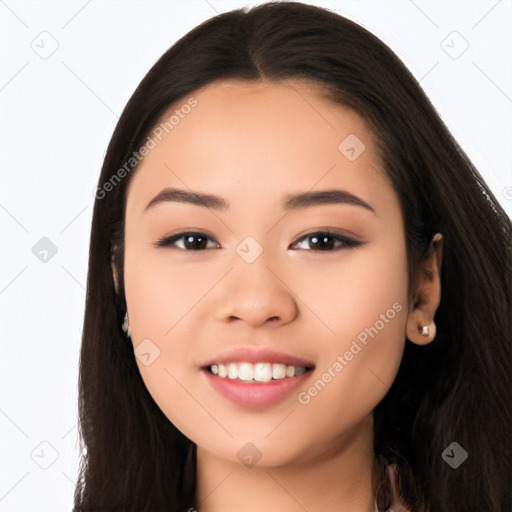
254, 291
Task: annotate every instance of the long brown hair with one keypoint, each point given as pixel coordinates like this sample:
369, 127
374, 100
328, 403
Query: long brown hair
456, 389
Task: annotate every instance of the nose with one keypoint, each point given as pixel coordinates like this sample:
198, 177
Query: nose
256, 294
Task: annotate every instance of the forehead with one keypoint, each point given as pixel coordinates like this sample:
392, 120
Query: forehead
260, 136
264, 110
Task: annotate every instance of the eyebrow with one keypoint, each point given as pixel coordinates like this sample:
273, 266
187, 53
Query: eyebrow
289, 202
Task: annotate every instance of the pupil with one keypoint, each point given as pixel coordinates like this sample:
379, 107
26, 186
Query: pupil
322, 241
189, 238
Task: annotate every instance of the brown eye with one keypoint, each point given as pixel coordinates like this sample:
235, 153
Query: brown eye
192, 241
327, 241
318, 241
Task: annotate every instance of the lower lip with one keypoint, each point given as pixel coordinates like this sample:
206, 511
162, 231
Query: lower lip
255, 394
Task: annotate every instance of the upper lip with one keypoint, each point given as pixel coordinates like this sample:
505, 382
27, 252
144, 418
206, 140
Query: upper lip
256, 355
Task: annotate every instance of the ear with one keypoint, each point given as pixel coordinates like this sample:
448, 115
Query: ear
426, 295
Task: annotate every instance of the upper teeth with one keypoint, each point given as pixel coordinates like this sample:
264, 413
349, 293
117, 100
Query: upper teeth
259, 372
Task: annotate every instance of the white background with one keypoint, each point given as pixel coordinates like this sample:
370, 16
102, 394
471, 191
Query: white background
57, 116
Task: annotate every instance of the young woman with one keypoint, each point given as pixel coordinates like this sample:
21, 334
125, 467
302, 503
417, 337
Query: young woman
299, 286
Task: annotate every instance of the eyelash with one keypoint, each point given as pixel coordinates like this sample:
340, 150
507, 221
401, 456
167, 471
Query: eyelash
347, 242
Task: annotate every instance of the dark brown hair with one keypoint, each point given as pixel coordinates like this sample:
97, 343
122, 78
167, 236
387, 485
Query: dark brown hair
457, 388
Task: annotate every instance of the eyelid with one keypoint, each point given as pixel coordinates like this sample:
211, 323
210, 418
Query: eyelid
328, 231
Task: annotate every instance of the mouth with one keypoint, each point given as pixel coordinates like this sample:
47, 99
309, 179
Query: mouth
255, 378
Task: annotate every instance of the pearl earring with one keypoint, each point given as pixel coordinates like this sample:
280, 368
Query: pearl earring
125, 325
425, 331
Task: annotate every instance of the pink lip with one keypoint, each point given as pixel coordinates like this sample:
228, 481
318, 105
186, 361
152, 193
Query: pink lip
254, 394
256, 355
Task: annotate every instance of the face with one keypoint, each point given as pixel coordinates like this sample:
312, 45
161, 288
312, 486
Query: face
323, 281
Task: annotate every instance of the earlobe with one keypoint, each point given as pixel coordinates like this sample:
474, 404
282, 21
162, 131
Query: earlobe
421, 328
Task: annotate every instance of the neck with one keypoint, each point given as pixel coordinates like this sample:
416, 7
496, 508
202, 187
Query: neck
338, 478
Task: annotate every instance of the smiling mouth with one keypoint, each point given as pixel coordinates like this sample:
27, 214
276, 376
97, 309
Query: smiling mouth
256, 373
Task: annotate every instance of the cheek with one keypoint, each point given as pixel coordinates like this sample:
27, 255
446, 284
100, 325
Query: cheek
351, 292
368, 315
160, 294
162, 301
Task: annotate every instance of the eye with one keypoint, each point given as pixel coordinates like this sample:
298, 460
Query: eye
326, 241
191, 241
320, 240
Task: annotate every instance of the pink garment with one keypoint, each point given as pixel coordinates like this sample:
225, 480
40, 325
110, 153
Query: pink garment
398, 504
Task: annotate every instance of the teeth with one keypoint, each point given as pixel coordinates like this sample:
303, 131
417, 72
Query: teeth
246, 371
260, 372
279, 371
263, 372
233, 371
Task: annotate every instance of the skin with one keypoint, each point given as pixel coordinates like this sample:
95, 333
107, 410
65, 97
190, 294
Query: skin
253, 143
